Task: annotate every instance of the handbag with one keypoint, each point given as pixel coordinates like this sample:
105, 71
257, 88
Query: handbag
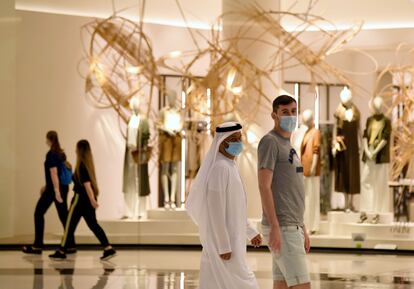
144, 160
66, 173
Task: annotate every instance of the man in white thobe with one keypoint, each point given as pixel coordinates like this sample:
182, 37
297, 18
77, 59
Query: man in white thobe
218, 204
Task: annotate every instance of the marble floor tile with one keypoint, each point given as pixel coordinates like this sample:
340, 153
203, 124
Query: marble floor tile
165, 269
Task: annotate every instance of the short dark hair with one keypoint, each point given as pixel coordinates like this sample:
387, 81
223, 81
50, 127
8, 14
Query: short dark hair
283, 99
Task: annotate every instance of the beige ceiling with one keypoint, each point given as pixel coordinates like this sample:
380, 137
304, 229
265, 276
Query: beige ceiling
201, 13
376, 14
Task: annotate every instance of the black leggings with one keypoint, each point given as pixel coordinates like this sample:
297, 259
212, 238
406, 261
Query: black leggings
81, 207
46, 199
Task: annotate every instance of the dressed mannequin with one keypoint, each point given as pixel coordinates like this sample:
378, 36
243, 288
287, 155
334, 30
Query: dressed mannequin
376, 142
310, 152
345, 149
136, 178
297, 137
170, 125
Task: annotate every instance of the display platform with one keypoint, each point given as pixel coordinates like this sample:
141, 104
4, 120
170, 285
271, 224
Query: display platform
161, 227
343, 230
340, 230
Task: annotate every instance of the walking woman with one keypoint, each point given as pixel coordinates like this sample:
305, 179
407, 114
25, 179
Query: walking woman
53, 192
84, 203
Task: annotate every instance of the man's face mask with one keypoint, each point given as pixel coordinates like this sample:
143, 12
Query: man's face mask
288, 123
234, 148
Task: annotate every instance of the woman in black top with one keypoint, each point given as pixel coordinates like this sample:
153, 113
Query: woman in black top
52, 192
84, 203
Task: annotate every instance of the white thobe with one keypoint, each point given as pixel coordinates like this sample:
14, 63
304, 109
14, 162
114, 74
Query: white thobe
226, 231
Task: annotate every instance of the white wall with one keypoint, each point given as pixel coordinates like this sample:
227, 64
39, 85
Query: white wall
7, 116
51, 96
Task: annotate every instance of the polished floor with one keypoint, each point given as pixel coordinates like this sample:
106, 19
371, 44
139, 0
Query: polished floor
162, 269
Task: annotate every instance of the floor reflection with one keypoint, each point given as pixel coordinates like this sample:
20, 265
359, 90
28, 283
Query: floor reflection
179, 270
66, 271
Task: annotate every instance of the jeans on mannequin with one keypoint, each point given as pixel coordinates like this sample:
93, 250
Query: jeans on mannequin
312, 200
169, 171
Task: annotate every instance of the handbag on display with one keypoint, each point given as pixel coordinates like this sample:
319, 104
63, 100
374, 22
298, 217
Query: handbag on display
136, 155
340, 144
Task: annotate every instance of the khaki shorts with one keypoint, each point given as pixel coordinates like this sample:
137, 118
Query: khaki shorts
170, 148
289, 264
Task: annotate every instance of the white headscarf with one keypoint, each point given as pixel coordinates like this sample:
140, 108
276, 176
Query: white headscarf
196, 201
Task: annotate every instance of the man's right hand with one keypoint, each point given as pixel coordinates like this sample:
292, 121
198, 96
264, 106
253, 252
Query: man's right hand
226, 256
275, 240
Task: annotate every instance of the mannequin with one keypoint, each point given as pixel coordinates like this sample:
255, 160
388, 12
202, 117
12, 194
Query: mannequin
196, 135
310, 152
136, 179
327, 196
376, 142
170, 126
345, 149
297, 137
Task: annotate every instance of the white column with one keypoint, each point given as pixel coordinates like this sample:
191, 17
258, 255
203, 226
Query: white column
260, 55
7, 116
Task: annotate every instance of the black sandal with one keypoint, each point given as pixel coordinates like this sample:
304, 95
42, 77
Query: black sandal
31, 250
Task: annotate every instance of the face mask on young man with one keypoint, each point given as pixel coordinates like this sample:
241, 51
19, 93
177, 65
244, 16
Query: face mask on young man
288, 123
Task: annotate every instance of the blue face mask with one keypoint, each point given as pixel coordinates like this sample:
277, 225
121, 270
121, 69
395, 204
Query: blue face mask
235, 148
288, 123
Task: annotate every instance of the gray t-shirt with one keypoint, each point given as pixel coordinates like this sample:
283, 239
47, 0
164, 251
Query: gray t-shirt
277, 154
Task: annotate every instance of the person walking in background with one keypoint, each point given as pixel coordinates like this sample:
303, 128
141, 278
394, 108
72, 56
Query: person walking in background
282, 191
218, 204
84, 203
56, 188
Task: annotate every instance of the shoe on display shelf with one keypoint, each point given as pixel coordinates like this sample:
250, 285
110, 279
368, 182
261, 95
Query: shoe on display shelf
376, 219
362, 218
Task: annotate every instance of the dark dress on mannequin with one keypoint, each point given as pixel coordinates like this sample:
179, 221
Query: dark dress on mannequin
346, 163
326, 166
144, 156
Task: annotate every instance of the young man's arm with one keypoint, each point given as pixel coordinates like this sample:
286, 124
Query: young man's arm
265, 188
267, 153
307, 240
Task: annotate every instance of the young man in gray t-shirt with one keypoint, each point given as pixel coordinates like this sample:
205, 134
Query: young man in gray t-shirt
283, 198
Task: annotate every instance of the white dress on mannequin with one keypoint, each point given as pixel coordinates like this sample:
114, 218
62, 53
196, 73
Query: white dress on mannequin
297, 138
310, 157
375, 194
131, 175
374, 188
